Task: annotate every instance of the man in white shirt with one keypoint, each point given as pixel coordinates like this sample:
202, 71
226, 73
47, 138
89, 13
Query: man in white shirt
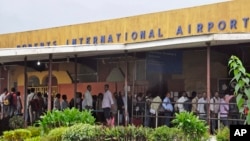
2, 97
202, 108
56, 102
214, 109
88, 98
32, 114
155, 103
5, 107
181, 100
107, 103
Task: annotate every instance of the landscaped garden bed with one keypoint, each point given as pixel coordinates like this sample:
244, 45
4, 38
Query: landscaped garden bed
73, 125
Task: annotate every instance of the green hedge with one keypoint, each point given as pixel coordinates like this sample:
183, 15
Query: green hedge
223, 134
187, 127
16, 135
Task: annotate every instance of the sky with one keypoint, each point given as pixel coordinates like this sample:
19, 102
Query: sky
24, 15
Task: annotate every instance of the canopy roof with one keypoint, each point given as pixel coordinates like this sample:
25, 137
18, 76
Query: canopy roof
59, 52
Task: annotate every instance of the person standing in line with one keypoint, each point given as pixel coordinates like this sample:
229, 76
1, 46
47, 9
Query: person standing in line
125, 113
154, 106
130, 108
148, 100
13, 107
214, 110
31, 96
168, 108
64, 103
224, 109
26, 110
56, 105
120, 107
202, 106
41, 105
88, 98
195, 101
45, 101
107, 103
114, 109
2, 98
19, 103
99, 111
181, 101
79, 101
84, 103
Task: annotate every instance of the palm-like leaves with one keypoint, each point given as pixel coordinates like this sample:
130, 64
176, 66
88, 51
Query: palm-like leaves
66, 118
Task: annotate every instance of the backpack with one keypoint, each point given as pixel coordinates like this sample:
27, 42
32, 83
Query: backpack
187, 105
34, 104
6, 102
8, 99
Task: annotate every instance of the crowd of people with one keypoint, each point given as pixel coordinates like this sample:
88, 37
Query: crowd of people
222, 107
105, 106
112, 108
11, 103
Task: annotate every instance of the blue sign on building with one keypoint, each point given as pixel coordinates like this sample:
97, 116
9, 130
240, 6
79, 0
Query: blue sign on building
168, 62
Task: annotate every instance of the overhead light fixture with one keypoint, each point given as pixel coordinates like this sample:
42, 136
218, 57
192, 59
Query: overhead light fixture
38, 63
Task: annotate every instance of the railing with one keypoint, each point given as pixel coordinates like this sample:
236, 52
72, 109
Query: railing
232, 118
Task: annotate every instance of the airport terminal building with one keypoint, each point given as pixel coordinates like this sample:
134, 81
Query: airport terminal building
186, 49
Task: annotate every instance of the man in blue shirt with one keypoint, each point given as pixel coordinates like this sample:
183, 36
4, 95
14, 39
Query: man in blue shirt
168, 107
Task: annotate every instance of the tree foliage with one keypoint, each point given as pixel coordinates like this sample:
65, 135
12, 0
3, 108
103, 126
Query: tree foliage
242, 87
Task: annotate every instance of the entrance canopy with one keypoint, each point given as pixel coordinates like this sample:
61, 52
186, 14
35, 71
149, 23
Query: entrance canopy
40, 53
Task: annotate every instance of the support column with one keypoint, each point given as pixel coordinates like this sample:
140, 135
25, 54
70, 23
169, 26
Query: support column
134, 79
208, 86
75, 81
50, 83
126, 88
25, 91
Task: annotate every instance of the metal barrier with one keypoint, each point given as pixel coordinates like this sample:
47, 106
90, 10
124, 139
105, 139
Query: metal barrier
143, 115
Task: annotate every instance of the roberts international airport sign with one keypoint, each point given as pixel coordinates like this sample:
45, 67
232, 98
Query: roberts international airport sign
225, 17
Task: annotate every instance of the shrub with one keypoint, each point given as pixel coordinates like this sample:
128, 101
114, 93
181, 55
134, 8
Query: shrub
37, 138
142, 133
81, 132
56, 134
18, 134
165, 133
242, 87
35, 131
65, 118
193, 128
16, 122
113, 133
130, 132
223, 134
